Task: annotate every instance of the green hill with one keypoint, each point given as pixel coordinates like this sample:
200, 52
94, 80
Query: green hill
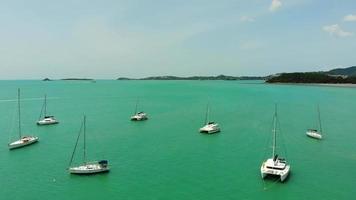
220, 77
340, 75
350, 71
310, 77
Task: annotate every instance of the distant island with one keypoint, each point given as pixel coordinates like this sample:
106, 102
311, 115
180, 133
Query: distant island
220, 77
335, 76
70, 79
77, 79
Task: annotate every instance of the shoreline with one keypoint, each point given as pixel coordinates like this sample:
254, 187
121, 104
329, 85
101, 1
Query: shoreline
342, 85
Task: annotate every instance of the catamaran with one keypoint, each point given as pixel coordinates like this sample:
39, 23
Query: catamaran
47, 119
209, 127
23, 140
314, 133
92, 167
276, 165
138, 116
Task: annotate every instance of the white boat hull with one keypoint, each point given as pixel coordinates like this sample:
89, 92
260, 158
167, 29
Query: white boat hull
282, 176
47, 121
92, 168
134, 118
210, 129
24, 141
139, 117
314, 134
282, 173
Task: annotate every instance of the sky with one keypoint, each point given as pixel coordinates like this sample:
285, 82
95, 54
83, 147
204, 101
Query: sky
106, 39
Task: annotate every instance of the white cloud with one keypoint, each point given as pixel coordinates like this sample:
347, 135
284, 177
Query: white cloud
336, 30
276, 4
246, 19
350, 18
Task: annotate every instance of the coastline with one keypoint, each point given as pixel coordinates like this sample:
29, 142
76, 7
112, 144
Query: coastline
343, 85
347, 85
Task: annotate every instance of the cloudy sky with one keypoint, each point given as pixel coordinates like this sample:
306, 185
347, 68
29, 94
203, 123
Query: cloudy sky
138, 38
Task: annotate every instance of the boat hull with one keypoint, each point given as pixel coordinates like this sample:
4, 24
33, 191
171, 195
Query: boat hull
40, 123
138, 118
25, 141
47, 122
314, 135
281, 173
282, 178
210, 129
88, 169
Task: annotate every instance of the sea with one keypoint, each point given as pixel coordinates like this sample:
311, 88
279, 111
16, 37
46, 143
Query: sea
165, 157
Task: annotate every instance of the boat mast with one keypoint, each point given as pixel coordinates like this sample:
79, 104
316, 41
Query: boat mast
274, 131
19, 109
207, 114
76, 144
136, 107
321, 130
84, 124
45, 106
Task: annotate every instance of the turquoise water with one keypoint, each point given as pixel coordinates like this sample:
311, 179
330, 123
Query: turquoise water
165, 157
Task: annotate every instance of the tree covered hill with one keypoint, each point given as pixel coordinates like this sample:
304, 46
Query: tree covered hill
340, 75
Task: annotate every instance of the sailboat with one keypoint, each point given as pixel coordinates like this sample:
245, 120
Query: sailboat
209, 127
276, 165
23, 140
47, 119
138, 116
92, 167
314, 133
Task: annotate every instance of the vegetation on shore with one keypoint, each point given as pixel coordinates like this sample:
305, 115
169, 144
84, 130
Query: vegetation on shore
349, 71
77, 79
70, 79
220, 77
311, 77
334, 76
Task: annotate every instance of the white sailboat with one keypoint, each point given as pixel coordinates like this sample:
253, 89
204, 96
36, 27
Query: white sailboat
209, 127
46, 119
275, 166
138, 116
314, 133
92, 167
23, 140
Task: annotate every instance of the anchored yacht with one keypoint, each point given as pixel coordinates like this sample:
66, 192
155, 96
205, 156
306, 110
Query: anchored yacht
46, 119
275, 166
138, 116
23, 140
314, 133
209, 126
92, 167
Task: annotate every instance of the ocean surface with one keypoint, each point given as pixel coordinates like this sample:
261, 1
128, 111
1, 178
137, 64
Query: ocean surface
166, 157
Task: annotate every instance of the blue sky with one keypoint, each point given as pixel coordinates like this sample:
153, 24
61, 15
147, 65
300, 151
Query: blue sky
132, 38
